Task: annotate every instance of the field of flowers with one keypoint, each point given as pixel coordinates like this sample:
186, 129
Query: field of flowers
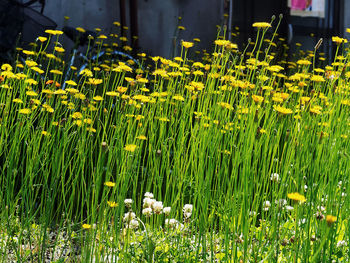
238, 156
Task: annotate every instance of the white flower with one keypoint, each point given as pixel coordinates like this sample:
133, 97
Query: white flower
129, 216
128, 202
166, 210
342, 243
252, 213
275, 177
266, 205
305, 188
134, 224
187, 215
147, 211
281, 202
148, 202
289, 208
157, 207
149, 195
171, 222
187, 208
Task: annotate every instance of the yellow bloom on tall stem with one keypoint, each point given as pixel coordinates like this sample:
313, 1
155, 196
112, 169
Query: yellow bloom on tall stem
261, 25
109, 184
339, 40
186, 44
130, 147
297, 197
330, 219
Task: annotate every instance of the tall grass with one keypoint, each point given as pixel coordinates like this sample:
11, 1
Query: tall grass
234, 135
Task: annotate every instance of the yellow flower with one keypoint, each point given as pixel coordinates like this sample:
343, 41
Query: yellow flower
112, 93
112, 204
257, 99
262, 25
178, 98
45, 133
186, 44
56, 71
77, 115
86, 72
330, 219
222, 42
17, 100
31, 63
98, 98
53, 32
130, 147
72, 90
25, 111
80, 29
59, 49
28, 52
339, 40
109, 184
317, 78
94, 81
297, 197
282, 110
71, 82
37, 69
31, 93
141, 137
303, 62
86, 226
6, 67
31, 81
42, 39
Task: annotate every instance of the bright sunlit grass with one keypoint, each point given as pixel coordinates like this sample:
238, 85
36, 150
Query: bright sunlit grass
241, 156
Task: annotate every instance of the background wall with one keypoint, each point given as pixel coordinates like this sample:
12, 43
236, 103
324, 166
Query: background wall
157, 19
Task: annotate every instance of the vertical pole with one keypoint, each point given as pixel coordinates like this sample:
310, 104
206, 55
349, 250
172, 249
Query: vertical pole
134, 23
230, 20
122, 17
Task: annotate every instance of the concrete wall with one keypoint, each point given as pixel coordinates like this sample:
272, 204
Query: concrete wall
346, 17
157, 19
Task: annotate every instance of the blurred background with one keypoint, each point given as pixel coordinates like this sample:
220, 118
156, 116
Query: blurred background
159, 24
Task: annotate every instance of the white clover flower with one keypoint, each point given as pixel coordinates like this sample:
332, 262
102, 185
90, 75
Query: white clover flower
166, 210
147, 211
302, 221
129, 216
342, 243
275, 177
157, 207
188, 208
252, 213
266, 205
289, 208
128, 202
134, 224
187, 215
281, 203
171, 222
148, 202
149, 195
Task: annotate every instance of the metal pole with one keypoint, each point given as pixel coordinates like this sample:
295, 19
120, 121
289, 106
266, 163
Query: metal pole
230, 20
134, 22
122, 17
